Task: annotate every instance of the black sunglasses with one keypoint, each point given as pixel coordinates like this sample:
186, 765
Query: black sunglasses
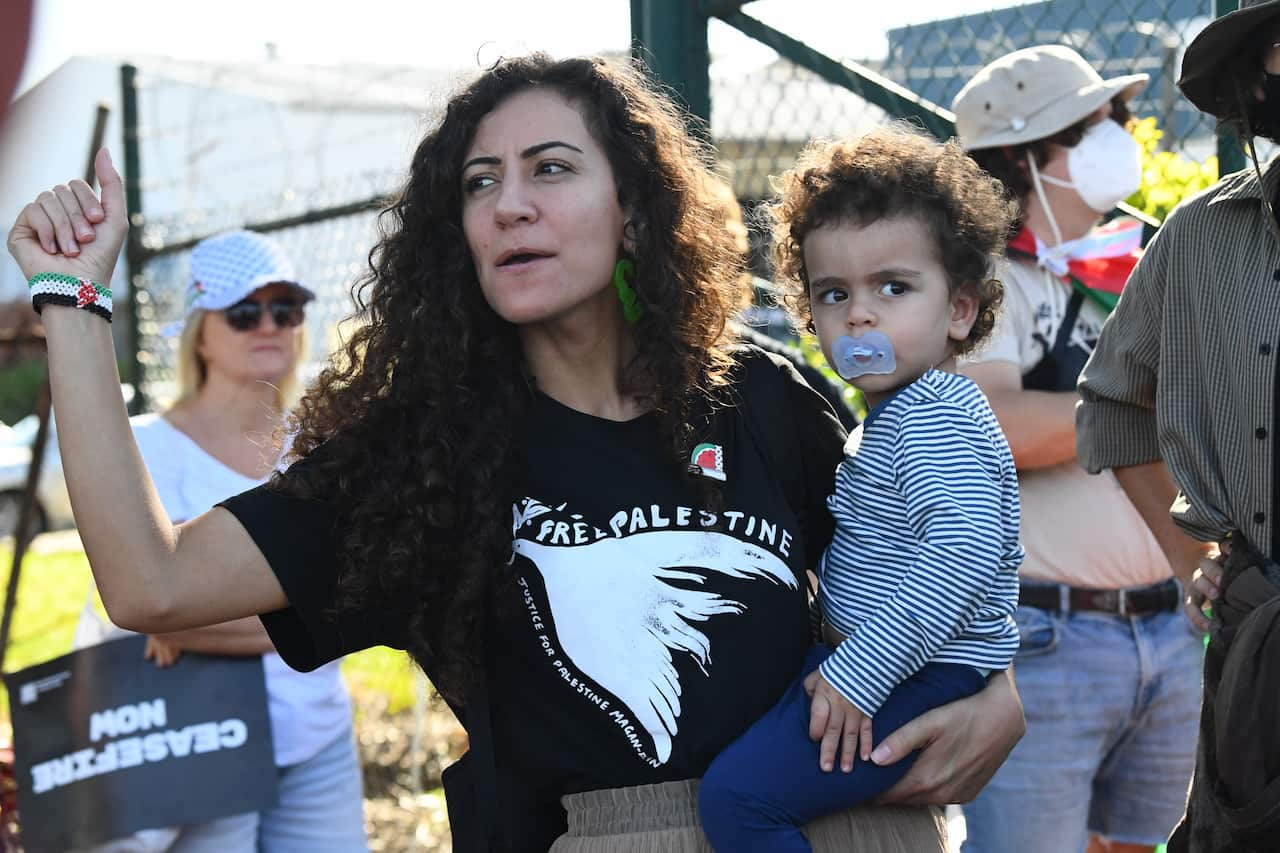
245, 315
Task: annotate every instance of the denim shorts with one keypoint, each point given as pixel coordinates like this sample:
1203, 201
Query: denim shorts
321, 810
1113, 706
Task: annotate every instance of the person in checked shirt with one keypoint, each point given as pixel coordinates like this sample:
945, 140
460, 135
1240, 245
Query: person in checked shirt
1180, 399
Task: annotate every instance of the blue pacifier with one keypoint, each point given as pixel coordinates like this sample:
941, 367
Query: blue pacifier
869, 353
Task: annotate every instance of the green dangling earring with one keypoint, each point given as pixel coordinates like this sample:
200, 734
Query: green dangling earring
631, 307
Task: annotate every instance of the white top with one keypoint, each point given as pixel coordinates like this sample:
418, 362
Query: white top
923, 565
1078, 529
309, 710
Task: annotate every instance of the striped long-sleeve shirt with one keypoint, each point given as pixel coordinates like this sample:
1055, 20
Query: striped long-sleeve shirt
923, 565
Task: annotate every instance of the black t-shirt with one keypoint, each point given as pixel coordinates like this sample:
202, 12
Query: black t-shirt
644, 634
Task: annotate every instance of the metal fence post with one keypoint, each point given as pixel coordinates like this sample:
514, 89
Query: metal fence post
874, 88
1230, 154
134, 257
671, 37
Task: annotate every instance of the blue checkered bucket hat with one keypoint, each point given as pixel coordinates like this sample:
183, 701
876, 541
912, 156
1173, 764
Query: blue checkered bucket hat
228, 267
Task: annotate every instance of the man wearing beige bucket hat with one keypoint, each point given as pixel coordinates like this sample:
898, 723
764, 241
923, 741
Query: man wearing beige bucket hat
1107, 668
1185, 372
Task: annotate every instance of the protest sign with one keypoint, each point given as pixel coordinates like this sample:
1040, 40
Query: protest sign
107, 743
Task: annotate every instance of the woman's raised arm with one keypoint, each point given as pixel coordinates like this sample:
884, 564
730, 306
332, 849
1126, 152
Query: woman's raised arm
153, 576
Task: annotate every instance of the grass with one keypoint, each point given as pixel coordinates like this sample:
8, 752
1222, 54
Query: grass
52, 591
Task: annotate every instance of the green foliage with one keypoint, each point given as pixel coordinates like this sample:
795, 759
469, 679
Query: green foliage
19, 388
51, 593
1167, 177
385, 671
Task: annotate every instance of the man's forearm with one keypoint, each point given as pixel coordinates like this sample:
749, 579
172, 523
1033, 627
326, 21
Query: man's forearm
1151, 490
1040, 426
237, 637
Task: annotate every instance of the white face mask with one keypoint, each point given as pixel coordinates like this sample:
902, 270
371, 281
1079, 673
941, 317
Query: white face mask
1105, 167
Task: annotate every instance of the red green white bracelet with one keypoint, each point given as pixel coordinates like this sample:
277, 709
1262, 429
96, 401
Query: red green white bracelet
52, 288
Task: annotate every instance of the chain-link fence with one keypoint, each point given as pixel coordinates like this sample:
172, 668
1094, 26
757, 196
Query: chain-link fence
299, 149
1117, 37
305, 154
760, 120
329, 255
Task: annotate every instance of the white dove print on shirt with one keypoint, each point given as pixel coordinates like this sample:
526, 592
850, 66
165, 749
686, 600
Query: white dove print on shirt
619, 620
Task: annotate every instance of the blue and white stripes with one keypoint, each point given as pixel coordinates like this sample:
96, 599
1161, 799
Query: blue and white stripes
923, 565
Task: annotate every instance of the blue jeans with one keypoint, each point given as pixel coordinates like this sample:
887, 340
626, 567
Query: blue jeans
321, 808
767, 783
1112, 707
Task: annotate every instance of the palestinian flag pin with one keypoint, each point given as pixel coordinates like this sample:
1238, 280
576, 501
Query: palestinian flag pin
708, 460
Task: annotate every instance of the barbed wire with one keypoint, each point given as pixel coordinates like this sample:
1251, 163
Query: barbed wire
226, 146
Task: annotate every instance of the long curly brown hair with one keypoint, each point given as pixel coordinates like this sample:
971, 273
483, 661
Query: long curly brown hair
410, 432
895, 171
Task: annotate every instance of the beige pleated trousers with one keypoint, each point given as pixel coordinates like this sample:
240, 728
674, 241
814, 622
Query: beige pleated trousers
663, 818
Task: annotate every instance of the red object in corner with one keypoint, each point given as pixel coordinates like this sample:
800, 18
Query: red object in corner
15, 33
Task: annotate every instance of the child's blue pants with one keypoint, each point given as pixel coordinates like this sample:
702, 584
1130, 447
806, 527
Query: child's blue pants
767, 784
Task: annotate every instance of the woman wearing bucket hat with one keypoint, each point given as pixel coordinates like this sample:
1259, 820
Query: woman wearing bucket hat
1182, 389
541, 465
1107, 665
239, 347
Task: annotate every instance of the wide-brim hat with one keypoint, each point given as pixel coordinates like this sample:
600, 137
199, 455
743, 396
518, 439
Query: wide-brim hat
1033, 93
1209, 53
228, 267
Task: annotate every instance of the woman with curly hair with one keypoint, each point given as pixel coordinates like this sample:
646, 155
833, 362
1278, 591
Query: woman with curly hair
541, 468
888, 243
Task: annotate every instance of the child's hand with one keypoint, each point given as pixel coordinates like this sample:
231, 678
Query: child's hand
163, 653
838, 722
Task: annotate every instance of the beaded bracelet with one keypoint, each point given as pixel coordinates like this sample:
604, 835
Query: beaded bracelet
51, 288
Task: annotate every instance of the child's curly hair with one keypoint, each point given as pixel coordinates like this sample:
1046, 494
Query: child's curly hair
895, 170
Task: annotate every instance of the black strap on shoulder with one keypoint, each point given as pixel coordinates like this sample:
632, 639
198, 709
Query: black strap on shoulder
1063, 339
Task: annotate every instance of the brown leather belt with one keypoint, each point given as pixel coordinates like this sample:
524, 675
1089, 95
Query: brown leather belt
1136, 601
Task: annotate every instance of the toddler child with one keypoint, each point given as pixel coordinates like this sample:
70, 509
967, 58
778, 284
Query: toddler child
887, 245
